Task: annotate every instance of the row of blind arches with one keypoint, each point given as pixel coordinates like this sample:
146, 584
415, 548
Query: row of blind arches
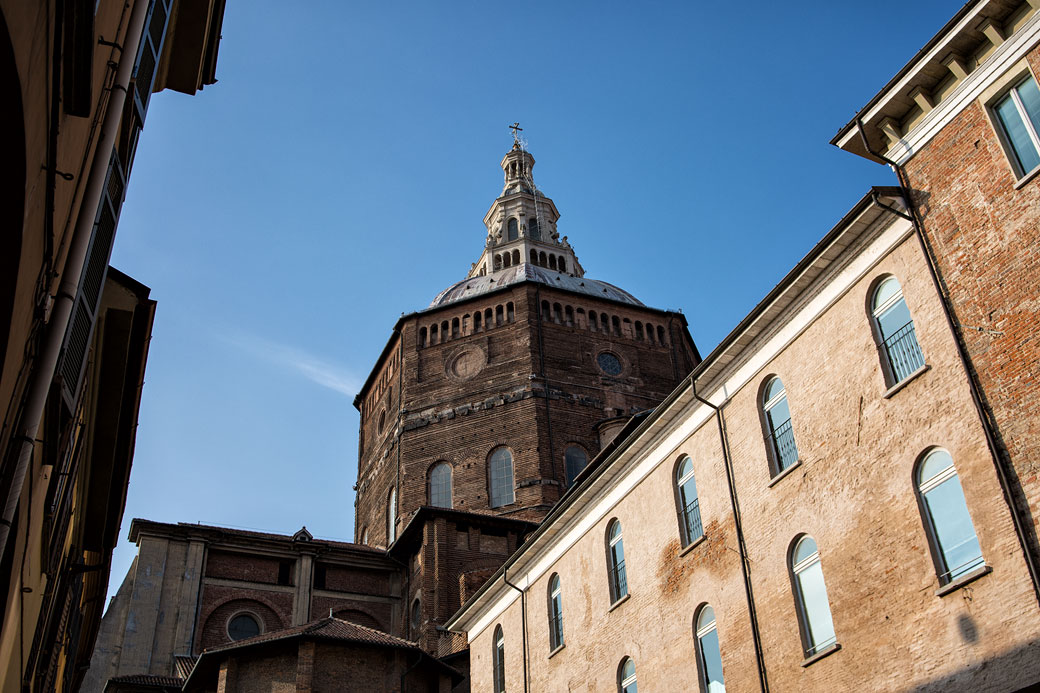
955, 547
901, 358
501, 483
478, 321
602, 322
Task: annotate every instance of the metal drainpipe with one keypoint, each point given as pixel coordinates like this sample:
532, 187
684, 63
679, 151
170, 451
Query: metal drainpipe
404, 675
756, 636
43, 374
989, 426
523, 621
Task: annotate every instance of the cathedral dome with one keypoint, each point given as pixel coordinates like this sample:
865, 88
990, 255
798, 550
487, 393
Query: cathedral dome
479, 285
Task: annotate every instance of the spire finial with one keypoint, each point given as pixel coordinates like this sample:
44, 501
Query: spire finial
515, 127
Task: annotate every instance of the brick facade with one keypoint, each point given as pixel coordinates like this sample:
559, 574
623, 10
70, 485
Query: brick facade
899, 625
981, 223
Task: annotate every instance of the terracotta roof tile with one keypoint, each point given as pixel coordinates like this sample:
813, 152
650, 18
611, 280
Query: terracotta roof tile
148, 680
329, 628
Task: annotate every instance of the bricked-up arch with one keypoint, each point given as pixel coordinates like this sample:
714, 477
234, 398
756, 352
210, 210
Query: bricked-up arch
359, 617
574, 460
214, 629
439, 485
12, 191
501, 484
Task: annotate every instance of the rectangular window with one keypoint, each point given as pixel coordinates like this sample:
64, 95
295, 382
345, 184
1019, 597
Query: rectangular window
1019, 115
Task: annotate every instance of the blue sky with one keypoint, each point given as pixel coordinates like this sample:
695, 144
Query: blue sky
338, 173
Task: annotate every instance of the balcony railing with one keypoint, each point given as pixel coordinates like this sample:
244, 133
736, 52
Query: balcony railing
620, 583
692, 521
783, 443
903, 352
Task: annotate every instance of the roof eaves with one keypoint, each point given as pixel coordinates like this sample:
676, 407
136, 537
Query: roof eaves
908, 68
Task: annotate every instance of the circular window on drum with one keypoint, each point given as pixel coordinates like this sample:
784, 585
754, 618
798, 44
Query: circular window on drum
466, 364
242, 626
609, 363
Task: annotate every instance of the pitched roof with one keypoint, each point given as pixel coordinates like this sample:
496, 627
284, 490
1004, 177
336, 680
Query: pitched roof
184, 664
328, 628
149, 680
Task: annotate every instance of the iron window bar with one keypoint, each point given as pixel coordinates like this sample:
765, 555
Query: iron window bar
556, 630
620, 582
692, 517
903, 352
783, 441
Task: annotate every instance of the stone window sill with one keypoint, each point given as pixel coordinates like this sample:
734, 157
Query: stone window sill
825, 652
619, 602
1027, 178
905, 381
692, 545
776, 479
963, 580
557, 649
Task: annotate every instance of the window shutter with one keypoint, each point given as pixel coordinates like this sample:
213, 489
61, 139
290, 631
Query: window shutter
148, 55
91, 282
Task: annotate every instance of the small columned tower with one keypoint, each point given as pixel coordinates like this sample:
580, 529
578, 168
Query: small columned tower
521, 225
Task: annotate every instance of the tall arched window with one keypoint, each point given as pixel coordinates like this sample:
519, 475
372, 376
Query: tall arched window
777, 414
814, 611
709, 656
574, 460
532, 229
951, 534
498, 660
616, 562
627, 676
440, 485
555, 613
391, 517
500, 477
901, 355
689, 507
513, 230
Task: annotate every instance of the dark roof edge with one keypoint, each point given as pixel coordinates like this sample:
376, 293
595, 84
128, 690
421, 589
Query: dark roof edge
906, 68
569, 498
424, 511
396, 330
204, 659
186, 530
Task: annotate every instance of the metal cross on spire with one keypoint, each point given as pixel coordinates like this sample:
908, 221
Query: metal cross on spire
515, 127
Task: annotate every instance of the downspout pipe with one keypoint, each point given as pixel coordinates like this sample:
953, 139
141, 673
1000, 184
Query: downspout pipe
523, 622
23, 440
763, 681
1008, 486
404, 674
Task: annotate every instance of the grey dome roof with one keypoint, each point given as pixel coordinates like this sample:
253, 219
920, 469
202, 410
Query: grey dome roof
477, 286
